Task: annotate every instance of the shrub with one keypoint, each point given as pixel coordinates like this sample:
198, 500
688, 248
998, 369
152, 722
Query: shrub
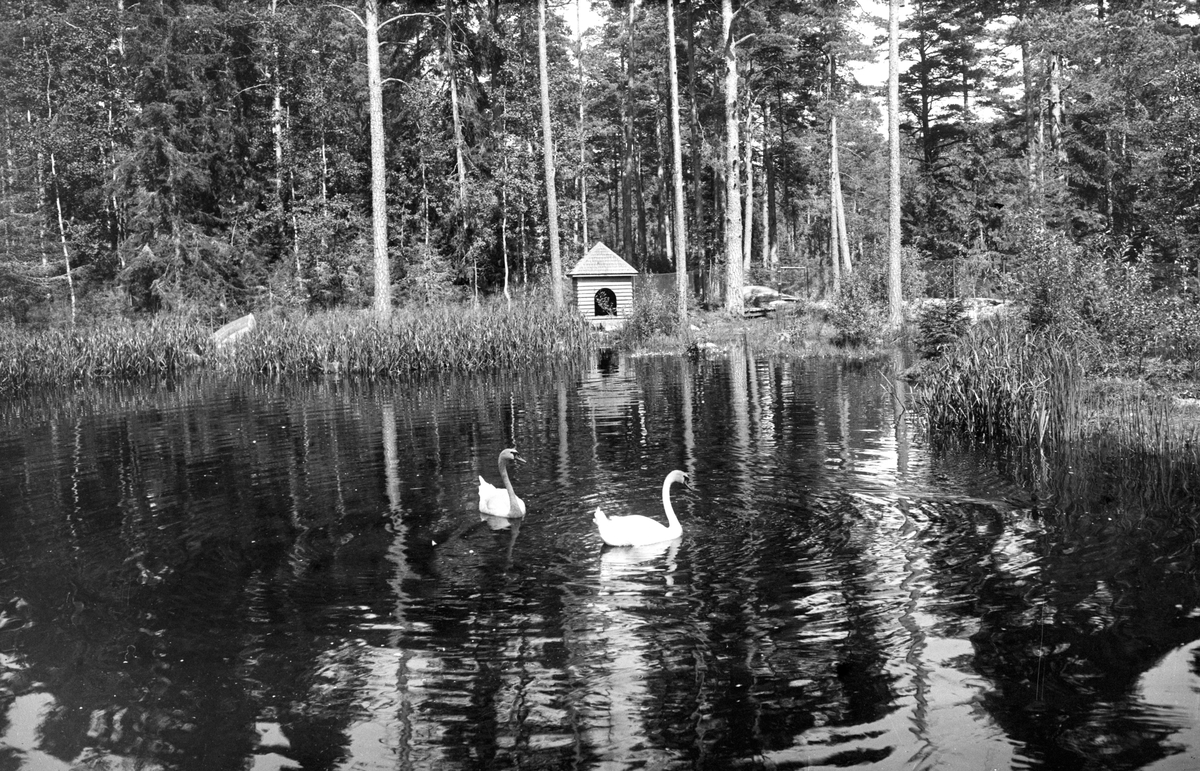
854, 315
940, 326
654, 313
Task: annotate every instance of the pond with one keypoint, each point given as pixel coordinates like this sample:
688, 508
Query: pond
269, 575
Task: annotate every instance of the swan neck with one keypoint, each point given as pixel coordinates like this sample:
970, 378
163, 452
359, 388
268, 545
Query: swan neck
667, 507
512, 496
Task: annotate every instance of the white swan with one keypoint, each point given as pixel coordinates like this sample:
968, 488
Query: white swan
636, 530
502, 502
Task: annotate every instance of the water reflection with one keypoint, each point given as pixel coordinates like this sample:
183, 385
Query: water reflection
216, 575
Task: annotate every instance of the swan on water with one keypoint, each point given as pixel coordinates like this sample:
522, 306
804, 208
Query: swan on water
502, 501
636, 530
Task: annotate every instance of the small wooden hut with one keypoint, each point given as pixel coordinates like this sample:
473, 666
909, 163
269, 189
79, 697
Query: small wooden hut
603, 287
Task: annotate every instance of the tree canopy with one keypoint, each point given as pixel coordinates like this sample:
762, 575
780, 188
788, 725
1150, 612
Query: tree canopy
216, 154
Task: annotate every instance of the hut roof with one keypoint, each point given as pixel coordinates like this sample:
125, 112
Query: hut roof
602, 261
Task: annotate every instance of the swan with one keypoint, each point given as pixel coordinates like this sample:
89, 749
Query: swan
502, 501
636, 530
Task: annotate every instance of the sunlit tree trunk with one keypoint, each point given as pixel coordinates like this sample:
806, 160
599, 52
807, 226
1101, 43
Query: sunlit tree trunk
627, 233
556, 289
1056, 112
895, 297
748, 211
459, 156
835, 262
681, 283
583, 211
733, 200
62, 235
379, 218
768, 254
697, 239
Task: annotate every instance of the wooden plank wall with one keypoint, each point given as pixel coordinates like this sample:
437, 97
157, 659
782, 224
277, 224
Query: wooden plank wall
586, 288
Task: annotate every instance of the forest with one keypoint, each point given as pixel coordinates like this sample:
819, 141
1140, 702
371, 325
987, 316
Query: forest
215, 157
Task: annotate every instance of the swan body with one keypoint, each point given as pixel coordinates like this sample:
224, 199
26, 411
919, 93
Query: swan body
636, 530
501, 501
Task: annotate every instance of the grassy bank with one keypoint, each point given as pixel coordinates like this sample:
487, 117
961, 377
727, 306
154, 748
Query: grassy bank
350, 343
1039, 399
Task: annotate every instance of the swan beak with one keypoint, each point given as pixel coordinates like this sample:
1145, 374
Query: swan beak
518, 458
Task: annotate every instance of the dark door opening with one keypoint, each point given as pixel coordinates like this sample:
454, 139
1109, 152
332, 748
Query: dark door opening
606, 303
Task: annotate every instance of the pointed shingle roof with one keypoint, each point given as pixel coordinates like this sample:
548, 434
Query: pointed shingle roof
602, 261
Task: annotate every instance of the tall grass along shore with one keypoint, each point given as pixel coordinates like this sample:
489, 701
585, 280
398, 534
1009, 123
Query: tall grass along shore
348, 343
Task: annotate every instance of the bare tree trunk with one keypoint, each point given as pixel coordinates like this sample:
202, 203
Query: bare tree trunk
835, 262
548, 156
460, 159
895, 296
664, 194
697, 240
627, 235
734, 277
1032, 149
1056, 117
681, 283
379, 217
583, 211
767, 257
843, 239
62, 235
748, 211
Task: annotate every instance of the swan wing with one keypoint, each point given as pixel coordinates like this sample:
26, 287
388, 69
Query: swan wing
487, 492
633, 530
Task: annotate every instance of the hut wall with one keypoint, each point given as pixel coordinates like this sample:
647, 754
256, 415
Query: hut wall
587, 286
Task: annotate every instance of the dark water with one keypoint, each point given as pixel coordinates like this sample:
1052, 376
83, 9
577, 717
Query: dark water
294, 575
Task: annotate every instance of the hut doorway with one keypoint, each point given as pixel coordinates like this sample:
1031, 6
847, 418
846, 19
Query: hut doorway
606, 302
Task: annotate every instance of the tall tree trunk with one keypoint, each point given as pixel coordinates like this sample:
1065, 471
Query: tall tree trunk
697, 239
643, 248
1032, 148
459, 155
748, 210
379, 217
734, 277
62, 235
767, 254
681, 283
277, 115
895, 296
627, 233
556, 288
840, 207
583, 211
664, 195
835, 261
1056, 117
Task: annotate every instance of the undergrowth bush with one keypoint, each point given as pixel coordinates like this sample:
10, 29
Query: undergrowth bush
855, 313
654, 313
939, 327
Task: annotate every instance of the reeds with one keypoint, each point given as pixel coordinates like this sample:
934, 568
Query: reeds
346, 343
414, 340
1002, 385
116, 350
1071, 439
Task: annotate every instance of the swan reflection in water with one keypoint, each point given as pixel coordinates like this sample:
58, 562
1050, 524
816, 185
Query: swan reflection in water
634, 589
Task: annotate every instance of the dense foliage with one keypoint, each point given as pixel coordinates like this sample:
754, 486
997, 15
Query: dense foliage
214, 154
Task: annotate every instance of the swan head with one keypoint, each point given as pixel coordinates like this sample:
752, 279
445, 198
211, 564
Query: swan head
511, 455
680, 478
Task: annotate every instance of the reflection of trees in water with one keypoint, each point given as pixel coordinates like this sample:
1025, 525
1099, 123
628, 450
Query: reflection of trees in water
235, 564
